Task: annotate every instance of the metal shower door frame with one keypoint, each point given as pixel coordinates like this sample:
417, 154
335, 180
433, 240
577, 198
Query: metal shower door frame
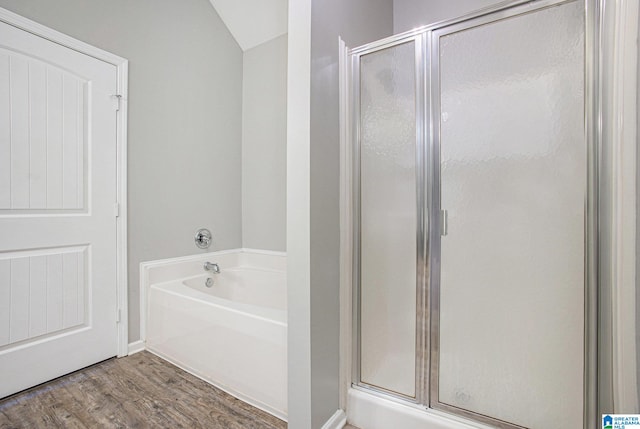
421, 225
590, 205
429, 220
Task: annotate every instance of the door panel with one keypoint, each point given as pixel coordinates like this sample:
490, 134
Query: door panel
45, 290
44, 141
388, 218
513, 180
57, 222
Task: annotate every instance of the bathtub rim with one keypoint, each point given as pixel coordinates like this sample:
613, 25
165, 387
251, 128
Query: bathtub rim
147, 266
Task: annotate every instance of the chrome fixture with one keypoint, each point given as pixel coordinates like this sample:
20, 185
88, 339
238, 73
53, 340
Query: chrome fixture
212, 266
203, 238
208, 282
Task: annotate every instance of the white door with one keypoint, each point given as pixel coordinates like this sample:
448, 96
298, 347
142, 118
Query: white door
57, 220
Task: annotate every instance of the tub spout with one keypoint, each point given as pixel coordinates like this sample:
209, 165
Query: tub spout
212, 266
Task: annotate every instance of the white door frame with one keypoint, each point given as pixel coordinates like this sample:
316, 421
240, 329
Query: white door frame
122, 66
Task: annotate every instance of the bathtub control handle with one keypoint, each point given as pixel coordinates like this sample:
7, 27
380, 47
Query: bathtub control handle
212, 266
203, 238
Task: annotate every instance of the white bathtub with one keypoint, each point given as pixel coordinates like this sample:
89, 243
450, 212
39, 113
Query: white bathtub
233, 334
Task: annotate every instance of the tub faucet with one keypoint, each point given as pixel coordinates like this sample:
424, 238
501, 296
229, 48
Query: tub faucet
212, 266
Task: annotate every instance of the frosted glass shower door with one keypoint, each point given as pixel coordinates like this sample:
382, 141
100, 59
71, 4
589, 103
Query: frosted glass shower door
387, 221
513, 176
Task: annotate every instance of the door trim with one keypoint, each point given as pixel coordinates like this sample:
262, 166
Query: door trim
618, 104
122, 70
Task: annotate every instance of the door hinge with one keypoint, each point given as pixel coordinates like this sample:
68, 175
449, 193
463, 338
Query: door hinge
118, 316
116, 209
444, 222
117, 100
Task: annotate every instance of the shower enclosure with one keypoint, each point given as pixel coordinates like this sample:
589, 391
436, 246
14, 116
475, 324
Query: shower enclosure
473, 216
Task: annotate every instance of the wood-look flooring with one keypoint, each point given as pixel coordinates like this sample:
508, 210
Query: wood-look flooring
138, 391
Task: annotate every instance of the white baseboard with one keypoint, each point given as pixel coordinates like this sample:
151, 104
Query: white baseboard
337, 421
136, 346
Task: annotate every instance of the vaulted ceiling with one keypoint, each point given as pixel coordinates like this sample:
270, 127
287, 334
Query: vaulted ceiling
253, 22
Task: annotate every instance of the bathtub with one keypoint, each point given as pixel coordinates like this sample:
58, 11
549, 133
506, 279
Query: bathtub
232, 334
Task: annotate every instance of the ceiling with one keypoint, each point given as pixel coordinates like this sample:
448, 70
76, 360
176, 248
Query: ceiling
253, 22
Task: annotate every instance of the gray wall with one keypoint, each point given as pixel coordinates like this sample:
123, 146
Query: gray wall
185, 110
264, 146
409, 14
357, 22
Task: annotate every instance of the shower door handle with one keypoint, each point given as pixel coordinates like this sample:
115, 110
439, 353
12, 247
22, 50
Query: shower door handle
444, 223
